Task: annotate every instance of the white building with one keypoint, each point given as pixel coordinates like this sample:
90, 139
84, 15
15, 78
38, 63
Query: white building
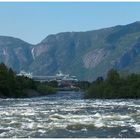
23, 73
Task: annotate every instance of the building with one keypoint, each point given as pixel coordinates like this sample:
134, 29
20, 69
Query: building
59, 77
23, 73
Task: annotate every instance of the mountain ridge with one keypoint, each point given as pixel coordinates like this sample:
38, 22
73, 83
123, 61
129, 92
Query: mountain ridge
86, 54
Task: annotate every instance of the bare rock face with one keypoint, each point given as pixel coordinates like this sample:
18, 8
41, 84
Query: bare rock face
15, 53
86, 55
92, 59
128, 57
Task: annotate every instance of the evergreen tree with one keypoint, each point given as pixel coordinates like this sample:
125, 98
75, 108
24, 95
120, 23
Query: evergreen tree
115, 86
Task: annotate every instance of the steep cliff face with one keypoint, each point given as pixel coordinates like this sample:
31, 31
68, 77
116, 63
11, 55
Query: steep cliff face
88, 54
15, 53
71, 52
84, 54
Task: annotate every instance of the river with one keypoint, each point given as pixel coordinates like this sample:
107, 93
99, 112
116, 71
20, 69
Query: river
68, 115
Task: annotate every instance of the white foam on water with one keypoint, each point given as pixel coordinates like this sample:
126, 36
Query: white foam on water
41, 125
84, 129
41, 131
122, 117
27, 119
137, 127
71, 109
52, 110
97, 115
56, 125
36, 118
5, 113
19, 105
116, 117
105, 103
72, 131
45, 111
123, 131
27, 112
56, 116
99, 123
134, 105
6, 128
13, 121
96, 120
3, 134
31, 125
78, 119
116, 123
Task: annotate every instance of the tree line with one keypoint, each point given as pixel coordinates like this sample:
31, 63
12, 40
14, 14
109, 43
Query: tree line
115, 86
13, 86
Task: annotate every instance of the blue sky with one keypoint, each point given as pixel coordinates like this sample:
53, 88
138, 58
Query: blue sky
32, 22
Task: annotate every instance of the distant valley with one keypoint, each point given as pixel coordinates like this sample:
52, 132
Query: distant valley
86, 55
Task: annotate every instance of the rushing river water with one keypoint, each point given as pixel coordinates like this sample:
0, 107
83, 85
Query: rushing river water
66, 114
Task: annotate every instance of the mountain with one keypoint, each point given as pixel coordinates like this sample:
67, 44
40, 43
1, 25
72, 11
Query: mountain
86, 55
15, 53
89, 54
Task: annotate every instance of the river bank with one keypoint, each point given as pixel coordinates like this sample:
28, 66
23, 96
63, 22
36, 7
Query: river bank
29, 93
115, 86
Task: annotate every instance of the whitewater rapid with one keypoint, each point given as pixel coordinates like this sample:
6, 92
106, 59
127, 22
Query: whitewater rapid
67, 114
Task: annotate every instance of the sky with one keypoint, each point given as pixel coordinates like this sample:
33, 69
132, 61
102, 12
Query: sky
33, 21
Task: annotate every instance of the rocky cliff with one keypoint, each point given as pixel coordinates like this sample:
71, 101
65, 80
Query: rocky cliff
84, 54
15, 53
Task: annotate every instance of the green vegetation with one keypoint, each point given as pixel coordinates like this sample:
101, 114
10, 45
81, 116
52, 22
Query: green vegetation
115, 86
13, 86
84, 85
43, 88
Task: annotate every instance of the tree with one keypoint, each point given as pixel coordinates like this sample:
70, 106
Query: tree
112, 76
115, 86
